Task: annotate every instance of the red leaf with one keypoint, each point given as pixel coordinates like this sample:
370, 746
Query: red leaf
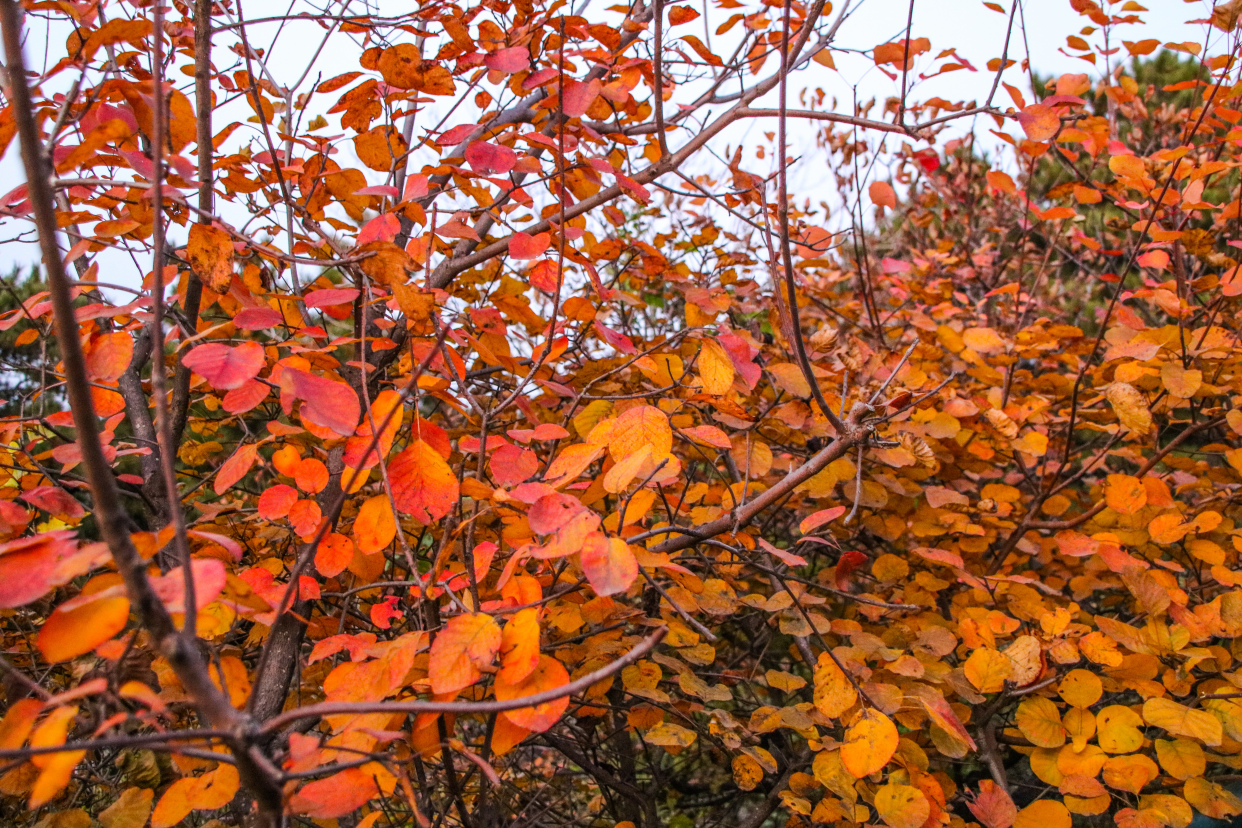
487, 158
330, 296
55, 501
993, 806
381, 228
579, 96
847, 564
210, 577
325, 402
276, 501
226, 367
247, 397
510, 60
552, 511
526, 246
383, 613
511, 465
742, 356
31, 566
257, 319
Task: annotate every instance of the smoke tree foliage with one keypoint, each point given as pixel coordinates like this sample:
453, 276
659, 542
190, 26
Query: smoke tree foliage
492, 434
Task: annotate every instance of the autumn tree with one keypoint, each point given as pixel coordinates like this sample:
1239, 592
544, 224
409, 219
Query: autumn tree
463, 419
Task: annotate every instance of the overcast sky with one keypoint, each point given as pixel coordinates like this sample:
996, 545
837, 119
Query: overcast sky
974, 30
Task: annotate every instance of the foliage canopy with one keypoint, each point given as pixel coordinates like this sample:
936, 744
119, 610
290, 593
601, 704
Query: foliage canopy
480, 441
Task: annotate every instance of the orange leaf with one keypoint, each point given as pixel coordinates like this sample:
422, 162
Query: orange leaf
276, 501
823, 516
78, 626
334, 554
55, 769
423, 485
1124, 494
210, 251
608, 563
334, 796
235, 468
681, 14
519, 646
1127, 166
381, 407
109, 356
311, 475
466, 644
548, 675
882, 194
1039, 121
375, 526
898, 53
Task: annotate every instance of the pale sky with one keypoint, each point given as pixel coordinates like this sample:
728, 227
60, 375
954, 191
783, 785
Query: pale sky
974, 30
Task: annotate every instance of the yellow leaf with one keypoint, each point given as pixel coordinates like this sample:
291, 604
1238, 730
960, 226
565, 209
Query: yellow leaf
1039, 721
641, 427
1129, 406
1183, 721
1210, 799
1118, 729
987, 670
668, 734
790, 379
1025, 659
1181, 382
465, 644
1081, 688
746, 772
1043, 813
869, 743
1181, 758
831, 772
902, 806
984, 340
834, 694
130, 810
715, 368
